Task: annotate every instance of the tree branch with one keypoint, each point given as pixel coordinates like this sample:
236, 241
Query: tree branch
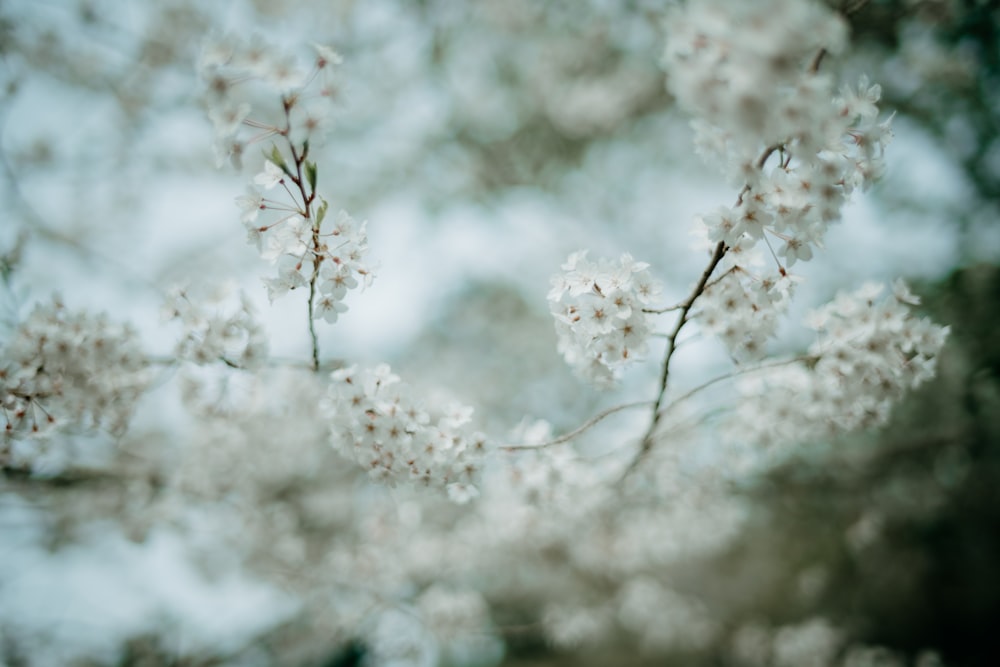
566, 437
699, 289
733, 374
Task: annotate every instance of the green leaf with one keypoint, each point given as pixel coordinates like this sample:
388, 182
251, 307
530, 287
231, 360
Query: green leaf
321, 211
311, 175
277, 158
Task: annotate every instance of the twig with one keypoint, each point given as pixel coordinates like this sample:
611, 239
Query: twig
312, 321
699, 289
646, 444
762, 160
721, 276
727, 376
307, 201
566, 437
816, 61
658, 311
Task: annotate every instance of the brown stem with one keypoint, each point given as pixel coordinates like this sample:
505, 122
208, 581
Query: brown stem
817, 61
307, 199
699, 289
685, 307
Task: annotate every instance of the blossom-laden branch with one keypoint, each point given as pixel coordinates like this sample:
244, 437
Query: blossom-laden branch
329, 260
745, 95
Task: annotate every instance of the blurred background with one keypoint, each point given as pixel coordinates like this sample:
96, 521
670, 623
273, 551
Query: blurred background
484, 141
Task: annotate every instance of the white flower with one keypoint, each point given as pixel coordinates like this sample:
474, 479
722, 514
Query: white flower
327, 57
255, 56
311, 120
289, 277
751, 84
795, 249
222, 328
250, 204
290, 238
862, 102
337, 279
228, 149
328, 308
216, 51
227, 118
271, 176
902, 292
284, 74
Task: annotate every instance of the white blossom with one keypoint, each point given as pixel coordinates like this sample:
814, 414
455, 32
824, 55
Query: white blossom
378, 422
743, 310
599, 317
220, 328
869, 352
64, 371
271, 176
250, 204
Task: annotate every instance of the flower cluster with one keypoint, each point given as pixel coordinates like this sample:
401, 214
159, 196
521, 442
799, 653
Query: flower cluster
379, 423
876, 349
868, 354
752, 84
61, 369
793, 204
743, 310
599, 317
301, 249
230, 69
217, 330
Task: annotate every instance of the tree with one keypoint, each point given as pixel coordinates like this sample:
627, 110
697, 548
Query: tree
400, 525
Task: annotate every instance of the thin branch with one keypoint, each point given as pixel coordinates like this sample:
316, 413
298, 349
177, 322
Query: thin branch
817, 61
659, 311
699, 289
307, 200
682, 304
646, 444
727, 376
762, 160
312, 320
566, 437
721, 276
